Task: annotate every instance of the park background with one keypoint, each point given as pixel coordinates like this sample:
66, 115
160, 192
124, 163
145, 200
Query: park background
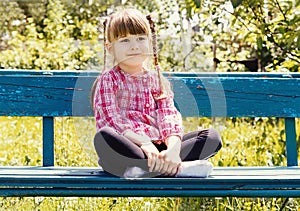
194, 36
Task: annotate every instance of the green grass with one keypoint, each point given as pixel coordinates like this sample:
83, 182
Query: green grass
21, 144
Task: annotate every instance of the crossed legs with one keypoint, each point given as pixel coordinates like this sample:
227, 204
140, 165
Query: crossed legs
116, 153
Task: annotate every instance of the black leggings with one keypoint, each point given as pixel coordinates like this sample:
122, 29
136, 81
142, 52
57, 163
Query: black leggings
116, 152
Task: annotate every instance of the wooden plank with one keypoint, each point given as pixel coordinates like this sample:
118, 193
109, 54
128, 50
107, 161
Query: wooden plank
237, 97
195, 94
257, 171
42, 96
224, 181
30, 192
220, 174
20, 72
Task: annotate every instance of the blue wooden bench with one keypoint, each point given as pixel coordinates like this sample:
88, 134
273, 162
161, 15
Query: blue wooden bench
55, 94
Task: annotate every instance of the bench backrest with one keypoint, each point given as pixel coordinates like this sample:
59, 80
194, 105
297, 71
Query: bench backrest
58, 93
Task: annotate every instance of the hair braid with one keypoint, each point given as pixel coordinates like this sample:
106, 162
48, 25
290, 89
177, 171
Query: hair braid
104, 43
154, 45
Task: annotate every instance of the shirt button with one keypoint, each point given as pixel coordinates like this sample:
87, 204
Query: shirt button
147, 105
145, 80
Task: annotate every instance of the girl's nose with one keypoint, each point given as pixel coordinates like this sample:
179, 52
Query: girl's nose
134, 46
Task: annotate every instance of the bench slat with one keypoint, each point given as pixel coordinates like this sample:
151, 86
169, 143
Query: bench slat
29, 192
237, 97
224, 181
203, 95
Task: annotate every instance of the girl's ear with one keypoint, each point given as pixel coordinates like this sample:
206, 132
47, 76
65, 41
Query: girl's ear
108, 47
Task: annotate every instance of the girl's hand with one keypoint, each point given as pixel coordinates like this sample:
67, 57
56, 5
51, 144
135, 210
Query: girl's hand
154, 163
152, 153
171, 162
170, 157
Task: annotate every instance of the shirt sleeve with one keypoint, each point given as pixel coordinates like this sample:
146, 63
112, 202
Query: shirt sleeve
106, 107
169, 118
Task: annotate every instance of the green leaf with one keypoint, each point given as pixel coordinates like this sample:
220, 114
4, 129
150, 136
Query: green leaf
197, 3
236, 3
259, 43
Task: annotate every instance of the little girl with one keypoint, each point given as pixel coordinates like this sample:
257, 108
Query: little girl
139, 130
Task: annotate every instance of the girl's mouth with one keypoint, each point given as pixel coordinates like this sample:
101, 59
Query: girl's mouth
137, 54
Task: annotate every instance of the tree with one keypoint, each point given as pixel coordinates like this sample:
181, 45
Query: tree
275, 24
244, 35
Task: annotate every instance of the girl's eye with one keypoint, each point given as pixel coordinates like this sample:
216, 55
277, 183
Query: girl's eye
141, 38
124, 40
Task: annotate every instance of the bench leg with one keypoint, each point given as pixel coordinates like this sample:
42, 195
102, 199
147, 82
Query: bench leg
48, 141
291, 144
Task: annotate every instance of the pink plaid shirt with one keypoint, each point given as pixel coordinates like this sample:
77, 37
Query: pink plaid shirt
125, 102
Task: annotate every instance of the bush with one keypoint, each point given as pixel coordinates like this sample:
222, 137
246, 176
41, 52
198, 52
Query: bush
52, 45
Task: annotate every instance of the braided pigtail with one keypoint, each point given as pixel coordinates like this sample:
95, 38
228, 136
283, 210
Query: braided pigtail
161, 94
104, 43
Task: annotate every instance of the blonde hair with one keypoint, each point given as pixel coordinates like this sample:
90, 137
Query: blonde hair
125, 22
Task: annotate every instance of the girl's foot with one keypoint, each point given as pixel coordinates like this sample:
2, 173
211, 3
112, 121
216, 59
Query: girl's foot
196, 168
134, 172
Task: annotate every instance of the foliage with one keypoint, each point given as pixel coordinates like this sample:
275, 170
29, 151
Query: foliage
194, 35
275, 25
251, 31
50, 43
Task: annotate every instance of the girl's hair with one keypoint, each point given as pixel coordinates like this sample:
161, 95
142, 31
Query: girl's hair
161, 93
123, 23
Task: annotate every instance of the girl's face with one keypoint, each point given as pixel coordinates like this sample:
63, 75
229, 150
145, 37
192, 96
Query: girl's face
130, 52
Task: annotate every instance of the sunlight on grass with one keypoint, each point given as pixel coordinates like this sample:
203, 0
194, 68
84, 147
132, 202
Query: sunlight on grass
246, 142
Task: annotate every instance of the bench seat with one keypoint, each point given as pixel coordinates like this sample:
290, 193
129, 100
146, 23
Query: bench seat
79, 181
